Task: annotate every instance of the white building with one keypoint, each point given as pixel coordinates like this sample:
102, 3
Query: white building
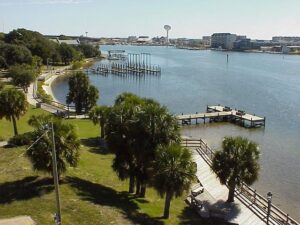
143, 39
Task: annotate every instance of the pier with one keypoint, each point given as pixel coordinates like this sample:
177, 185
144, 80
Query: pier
221, 114
135, 64
209, 196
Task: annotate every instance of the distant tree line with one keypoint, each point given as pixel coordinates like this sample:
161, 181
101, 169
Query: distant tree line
20, 46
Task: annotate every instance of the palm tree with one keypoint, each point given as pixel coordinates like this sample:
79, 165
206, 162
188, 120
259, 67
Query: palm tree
66, 141
174, 172
155, 127
120, 135
13, 105
98, 115
237, 162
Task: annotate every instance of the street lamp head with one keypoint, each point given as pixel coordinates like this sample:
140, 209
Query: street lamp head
269, 196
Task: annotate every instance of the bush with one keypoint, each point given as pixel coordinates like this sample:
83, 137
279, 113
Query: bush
21, 139
77, 65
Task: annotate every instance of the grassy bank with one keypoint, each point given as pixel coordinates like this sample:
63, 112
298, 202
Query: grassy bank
90, 193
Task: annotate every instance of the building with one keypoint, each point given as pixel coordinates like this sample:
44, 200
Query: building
257, 44
223, 40
281, 39
241, 37
242, 44
68, 42
132, 39
143, 39
206, 40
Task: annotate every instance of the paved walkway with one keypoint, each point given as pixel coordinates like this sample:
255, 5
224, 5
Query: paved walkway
20, 220
237, 212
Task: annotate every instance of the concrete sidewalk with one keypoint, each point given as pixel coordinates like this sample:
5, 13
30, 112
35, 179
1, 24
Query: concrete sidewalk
20, 220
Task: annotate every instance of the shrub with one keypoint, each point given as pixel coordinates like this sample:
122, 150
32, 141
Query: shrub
77, 65
21, 139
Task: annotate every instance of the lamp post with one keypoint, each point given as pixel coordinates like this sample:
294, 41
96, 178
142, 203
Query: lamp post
269, 198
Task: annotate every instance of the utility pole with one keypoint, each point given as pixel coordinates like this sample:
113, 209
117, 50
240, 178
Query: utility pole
55, 177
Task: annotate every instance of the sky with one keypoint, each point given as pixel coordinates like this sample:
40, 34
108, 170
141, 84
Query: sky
258, 19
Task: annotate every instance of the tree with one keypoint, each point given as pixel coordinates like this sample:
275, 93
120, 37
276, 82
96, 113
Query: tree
174, 173
237, 162
120, 136
89, 51
22, 76
15, 54
155, 126
3, 63
67, 53
135, 128
98, 115
13, 105
81, 93
67, 144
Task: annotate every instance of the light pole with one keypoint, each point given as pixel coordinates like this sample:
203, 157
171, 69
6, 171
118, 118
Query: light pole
269, 198
55, 177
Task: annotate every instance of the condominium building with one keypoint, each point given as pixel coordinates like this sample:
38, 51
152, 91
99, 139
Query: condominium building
223, 40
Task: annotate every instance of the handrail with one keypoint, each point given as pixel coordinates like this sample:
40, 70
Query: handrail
277, 216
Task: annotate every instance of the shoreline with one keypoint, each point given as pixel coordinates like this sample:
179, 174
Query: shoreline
64, 72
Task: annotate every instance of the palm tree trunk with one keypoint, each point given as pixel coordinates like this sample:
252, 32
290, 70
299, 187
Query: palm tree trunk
131, 184
231, 185
138, 187
143, 190
167, 204
15, 125
102, 129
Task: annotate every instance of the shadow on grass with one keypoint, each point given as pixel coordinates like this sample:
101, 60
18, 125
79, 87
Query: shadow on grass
220, 212
24, 189
96, 145
101, 195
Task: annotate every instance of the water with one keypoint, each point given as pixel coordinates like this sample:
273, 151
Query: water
265, 84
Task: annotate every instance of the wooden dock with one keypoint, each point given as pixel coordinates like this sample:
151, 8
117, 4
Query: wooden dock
133, 64
223, 113
249, 208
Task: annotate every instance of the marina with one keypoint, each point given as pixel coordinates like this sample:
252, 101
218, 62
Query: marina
127, 64
223, 113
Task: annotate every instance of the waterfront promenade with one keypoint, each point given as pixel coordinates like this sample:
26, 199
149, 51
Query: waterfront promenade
249, 208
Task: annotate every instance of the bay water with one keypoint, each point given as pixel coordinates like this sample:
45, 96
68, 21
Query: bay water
265, 84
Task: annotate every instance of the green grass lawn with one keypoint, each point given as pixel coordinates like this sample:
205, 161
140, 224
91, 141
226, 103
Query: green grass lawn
91, 193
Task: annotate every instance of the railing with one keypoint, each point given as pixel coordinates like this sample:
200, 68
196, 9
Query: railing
246, 194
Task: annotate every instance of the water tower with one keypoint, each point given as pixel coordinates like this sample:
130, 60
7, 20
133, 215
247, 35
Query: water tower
167, 28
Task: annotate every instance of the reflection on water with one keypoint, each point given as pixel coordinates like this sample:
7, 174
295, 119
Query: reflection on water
264, 84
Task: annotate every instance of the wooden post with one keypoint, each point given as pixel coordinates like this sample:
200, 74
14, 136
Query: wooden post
204, 119
254, 197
